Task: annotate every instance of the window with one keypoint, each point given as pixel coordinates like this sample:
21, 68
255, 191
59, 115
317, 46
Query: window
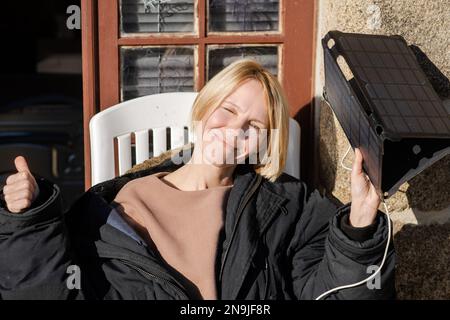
153, 46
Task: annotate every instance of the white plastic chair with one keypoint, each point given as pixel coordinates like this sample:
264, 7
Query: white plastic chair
156, 113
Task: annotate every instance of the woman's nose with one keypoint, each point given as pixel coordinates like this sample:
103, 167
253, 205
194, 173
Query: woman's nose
239, 125
237, 132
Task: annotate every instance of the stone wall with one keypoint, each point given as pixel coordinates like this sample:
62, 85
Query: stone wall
421, 208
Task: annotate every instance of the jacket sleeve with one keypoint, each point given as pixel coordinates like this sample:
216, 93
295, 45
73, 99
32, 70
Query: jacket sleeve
324, 257
35, 260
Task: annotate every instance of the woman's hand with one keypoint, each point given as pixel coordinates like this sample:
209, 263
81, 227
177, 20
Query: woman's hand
21, 188
365, 199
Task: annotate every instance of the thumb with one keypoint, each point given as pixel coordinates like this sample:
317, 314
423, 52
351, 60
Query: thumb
21, 164
357, 162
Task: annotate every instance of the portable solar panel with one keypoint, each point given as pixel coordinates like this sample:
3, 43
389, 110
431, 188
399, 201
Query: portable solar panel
387, 107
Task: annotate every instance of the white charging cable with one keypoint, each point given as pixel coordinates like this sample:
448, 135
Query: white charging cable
345, 156
384, 256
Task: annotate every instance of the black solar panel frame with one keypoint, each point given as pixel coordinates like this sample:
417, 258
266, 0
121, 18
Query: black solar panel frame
395, 80
358, 113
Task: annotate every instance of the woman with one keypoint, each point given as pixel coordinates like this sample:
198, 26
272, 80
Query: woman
210, 228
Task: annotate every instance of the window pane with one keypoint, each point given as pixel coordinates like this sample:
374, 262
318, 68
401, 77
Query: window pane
220, 57
243, 15
150, 16
150, 70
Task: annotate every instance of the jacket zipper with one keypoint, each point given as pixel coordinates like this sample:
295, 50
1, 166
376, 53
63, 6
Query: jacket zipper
266, 278
240, 210
266, 270
180, 290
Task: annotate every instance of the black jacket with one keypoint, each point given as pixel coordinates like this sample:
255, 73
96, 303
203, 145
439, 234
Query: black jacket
280, 241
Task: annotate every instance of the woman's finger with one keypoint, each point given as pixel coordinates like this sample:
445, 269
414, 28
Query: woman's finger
374, 191
357, 163
18, 195
19, 205
19, 176
18, 186
21, 164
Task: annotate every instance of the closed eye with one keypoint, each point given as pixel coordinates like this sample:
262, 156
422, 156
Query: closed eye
229, 110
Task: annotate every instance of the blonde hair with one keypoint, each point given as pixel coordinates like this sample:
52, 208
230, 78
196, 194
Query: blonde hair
225, 82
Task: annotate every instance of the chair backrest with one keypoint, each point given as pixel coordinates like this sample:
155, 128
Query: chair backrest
159, 116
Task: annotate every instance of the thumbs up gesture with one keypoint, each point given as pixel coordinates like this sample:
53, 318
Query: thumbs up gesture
21, 188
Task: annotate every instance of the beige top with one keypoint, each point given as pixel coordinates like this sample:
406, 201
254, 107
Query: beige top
183, 226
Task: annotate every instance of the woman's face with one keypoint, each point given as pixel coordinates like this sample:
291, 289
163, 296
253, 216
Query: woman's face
234, 129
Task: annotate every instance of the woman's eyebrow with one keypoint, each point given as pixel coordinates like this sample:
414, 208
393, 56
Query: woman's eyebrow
240, 109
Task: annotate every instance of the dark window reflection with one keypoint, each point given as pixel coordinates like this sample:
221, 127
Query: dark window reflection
243, 15
220, 57
150, 70
41, 114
